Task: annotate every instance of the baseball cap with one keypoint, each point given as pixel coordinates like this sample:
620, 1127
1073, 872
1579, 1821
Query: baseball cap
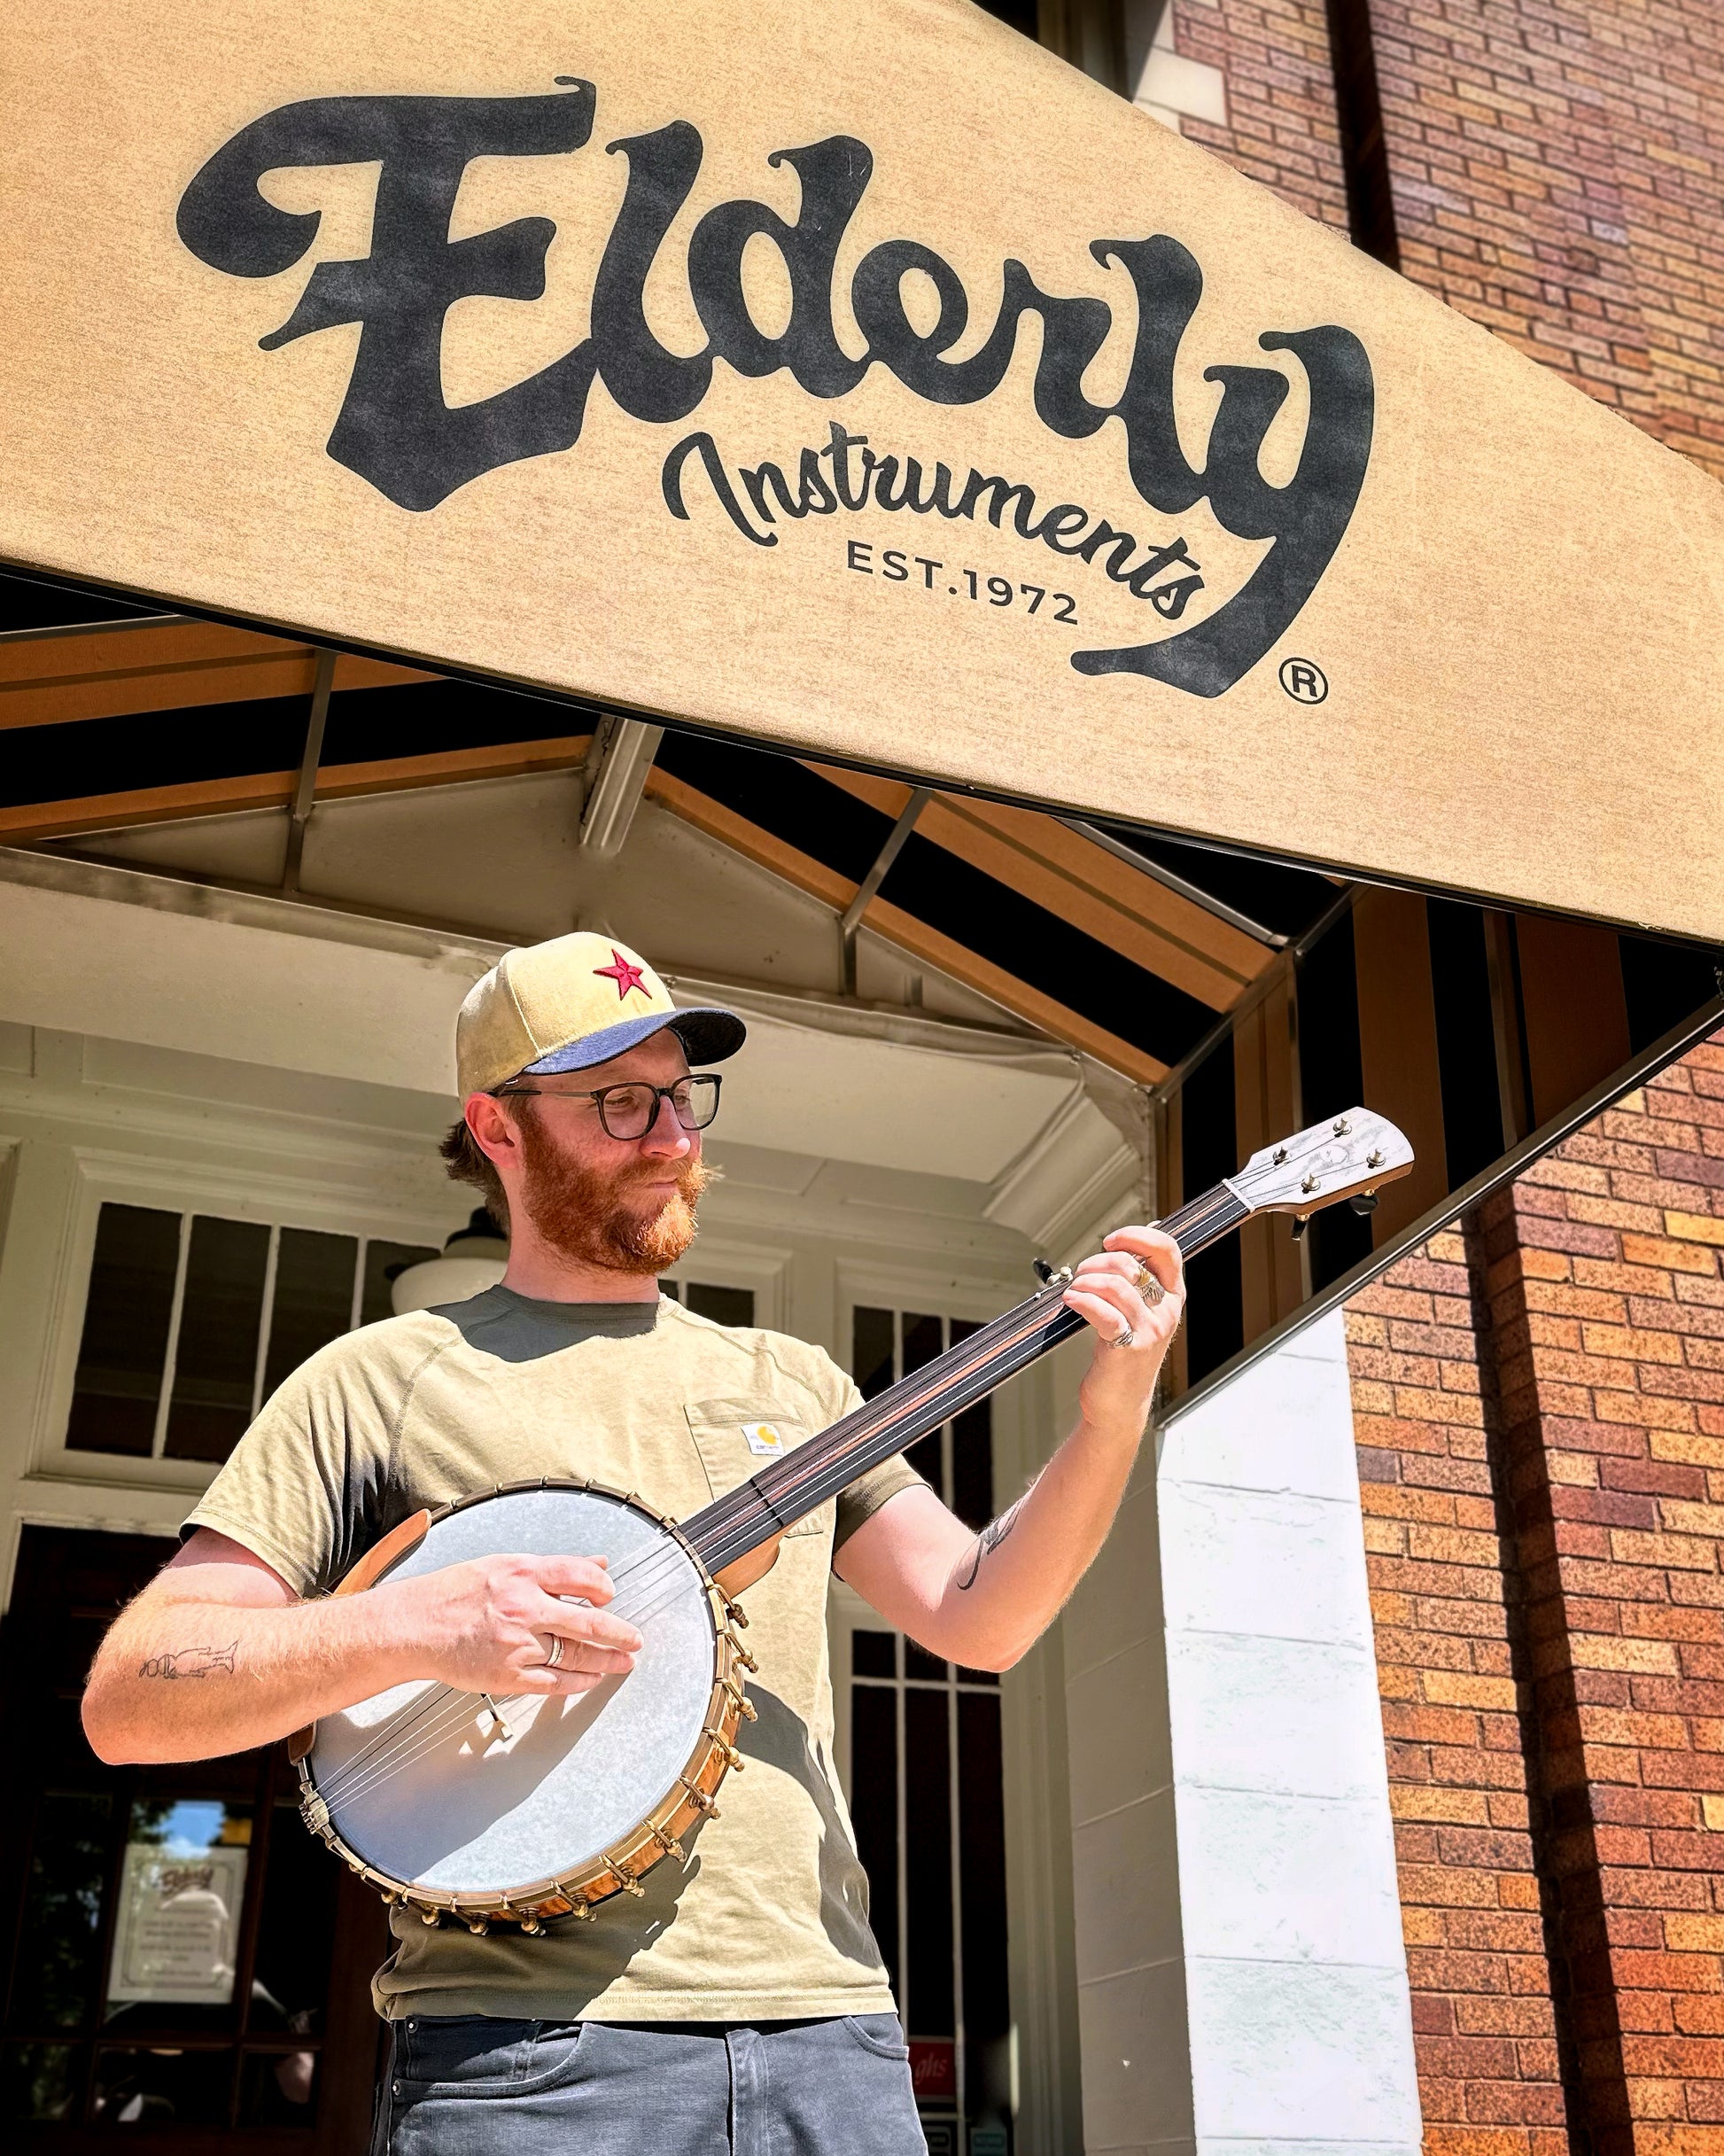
572, 1002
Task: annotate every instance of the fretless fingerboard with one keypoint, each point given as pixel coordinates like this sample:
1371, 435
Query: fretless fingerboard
780, 1494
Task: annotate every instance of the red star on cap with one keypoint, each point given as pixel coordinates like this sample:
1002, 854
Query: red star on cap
623, 973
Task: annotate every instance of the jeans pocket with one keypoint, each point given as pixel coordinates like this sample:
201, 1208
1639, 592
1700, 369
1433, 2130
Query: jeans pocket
879, 2033
477, 2055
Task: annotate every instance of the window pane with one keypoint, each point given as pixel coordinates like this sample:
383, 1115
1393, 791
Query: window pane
382, 1259
927, 1457
927, 1863
919, 1662
296, 1933
215, 1362
872, 1364
63, 1911
875, 1809
873, 1653
163, 2088
278, 2089
923, 1340
972, 1451
313, 1301
722, 1305
176, 1929
37, 2081
125, 1340
973, 1464
987, 2006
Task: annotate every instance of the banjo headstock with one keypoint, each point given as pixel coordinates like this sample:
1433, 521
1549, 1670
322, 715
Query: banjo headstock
1348, 1155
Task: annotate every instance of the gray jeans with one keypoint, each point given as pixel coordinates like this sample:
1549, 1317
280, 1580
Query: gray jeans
475, 2086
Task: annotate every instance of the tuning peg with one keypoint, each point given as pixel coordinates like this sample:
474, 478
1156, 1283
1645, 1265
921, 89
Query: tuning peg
1364, 1201
1302, 1221
1051, 1276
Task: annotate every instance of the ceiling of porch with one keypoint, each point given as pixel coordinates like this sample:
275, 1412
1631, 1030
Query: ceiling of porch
1126, 947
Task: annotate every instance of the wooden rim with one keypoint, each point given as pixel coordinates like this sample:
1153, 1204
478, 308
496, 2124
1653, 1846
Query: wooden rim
618, 1867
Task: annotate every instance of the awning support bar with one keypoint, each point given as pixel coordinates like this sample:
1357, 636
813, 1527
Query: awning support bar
851, 918
305, 789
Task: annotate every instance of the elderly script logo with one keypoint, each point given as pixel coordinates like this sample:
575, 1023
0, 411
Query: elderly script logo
395, 430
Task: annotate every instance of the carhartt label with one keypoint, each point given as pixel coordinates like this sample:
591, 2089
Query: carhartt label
762, 1438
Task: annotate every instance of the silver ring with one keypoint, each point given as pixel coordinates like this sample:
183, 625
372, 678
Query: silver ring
1125, 1339
554, 1659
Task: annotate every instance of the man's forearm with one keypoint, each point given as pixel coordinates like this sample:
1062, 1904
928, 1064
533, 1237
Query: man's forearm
1019, 1573
192, 1680
981, 1600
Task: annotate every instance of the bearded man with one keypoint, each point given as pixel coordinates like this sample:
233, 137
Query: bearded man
739, 2003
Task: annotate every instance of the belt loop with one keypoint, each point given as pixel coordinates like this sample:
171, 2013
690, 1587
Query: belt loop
749, 2135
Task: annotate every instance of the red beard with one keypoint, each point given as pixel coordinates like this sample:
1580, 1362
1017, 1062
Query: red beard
588, 1218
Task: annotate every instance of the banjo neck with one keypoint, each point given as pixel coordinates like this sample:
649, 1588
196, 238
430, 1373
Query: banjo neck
1348, 1156
782, 1494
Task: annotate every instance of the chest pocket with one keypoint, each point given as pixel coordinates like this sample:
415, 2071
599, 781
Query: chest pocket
736, 1438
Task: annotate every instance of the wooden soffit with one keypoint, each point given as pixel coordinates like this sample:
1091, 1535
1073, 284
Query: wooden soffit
703, 360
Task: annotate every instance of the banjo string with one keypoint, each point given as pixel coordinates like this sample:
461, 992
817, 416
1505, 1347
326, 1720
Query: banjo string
731, 1526
388, 1751
412, 1742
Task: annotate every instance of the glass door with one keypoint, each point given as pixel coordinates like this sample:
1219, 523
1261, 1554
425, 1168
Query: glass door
186, 1965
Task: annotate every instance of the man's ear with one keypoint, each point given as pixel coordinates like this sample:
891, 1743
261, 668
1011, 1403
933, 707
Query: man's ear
492, 1128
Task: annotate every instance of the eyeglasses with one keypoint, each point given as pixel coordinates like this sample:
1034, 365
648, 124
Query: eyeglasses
631, 1110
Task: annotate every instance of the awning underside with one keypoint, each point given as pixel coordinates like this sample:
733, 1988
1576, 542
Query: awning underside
1249, 996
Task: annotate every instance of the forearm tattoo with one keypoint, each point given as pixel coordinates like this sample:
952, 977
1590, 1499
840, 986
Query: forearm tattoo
193, 1662
990, 1538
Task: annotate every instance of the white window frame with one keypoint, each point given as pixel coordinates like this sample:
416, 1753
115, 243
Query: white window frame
273, 1201
719, 1260
1037, 1832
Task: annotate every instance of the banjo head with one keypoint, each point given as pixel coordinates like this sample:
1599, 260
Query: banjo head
421, 1786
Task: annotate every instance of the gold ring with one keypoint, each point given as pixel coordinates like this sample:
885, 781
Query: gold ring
1149, 1286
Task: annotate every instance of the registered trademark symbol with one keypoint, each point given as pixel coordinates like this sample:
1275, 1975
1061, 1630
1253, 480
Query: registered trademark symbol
1304, 682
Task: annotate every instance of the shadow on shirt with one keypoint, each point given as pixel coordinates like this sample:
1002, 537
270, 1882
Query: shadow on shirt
630, 1927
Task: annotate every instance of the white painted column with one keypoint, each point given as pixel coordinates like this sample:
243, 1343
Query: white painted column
1242, 1979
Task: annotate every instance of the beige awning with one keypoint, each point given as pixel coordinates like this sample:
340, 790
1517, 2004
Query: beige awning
861, 380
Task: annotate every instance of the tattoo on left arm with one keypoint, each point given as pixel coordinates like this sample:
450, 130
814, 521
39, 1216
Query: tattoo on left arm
990, 1538
193, 1662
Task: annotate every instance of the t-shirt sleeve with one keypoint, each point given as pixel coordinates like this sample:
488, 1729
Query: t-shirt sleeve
869, 1492
304, 1489
866, 1495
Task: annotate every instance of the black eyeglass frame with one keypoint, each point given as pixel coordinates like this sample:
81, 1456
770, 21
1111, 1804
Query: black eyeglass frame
509, 1090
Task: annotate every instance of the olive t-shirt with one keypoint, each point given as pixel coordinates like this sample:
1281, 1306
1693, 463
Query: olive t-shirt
767, 1918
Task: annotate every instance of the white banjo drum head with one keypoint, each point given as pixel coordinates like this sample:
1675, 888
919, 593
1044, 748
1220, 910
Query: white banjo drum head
421, 1784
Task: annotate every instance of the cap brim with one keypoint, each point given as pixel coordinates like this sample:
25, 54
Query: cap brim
708, 1035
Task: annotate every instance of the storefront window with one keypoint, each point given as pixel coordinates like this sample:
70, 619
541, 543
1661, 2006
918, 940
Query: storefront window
192, 1320
926, 1795
176, 1948
708, 1299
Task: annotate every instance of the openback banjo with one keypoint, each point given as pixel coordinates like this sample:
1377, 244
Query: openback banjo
520, 1809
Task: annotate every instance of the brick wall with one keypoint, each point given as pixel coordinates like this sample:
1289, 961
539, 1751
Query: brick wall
1554, 166
1449, 1638
1538, 1403
1281, 127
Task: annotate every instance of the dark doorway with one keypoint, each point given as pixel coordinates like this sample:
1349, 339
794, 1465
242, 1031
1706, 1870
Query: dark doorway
185, 1965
